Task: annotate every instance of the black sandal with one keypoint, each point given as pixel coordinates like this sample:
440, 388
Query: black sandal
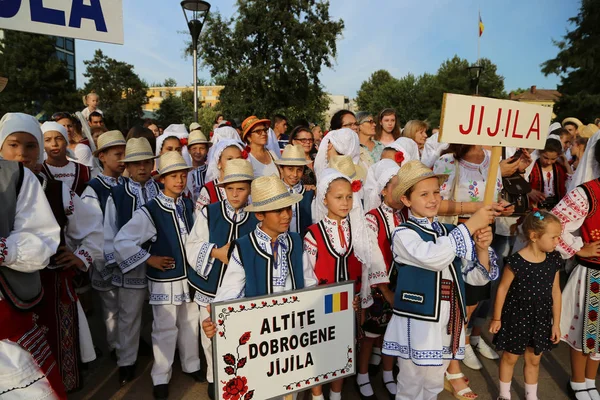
573, 393
363, 397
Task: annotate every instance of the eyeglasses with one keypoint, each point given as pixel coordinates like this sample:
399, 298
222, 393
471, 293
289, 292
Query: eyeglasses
350, 124
262, 131
370, 121
305, 140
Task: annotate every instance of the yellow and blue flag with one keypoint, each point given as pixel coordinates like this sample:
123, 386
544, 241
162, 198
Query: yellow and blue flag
481, 27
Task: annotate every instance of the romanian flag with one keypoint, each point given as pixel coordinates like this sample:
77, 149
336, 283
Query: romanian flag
336, 302
481, 27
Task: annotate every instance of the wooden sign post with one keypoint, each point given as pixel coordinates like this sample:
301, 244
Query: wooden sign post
491, 122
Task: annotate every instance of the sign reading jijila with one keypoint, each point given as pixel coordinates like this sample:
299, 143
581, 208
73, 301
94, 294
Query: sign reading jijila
492, 122
276, 345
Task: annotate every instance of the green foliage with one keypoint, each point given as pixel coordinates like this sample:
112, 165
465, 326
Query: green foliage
122, 93
420, 97
37, 80
180, 110
578, 65
269, 57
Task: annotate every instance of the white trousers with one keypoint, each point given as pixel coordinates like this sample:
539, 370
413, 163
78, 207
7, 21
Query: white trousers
110, 315
86, 344
174, 327
129, 324
206, 346
420, 383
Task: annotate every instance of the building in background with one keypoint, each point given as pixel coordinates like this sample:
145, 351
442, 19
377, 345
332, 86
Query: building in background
65, 50
540, 97
338, 102
208, 96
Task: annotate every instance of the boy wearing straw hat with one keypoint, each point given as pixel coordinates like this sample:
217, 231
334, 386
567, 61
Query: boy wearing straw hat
207, 248
291, 167
198, 148
165, 222
120, 206
433, 261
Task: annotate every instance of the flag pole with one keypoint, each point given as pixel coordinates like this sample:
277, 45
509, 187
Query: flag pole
478, 50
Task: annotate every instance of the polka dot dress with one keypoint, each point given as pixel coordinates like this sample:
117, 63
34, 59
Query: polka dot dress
527, 312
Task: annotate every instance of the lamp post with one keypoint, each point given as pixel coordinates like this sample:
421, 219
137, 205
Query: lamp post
195, 12
474, 74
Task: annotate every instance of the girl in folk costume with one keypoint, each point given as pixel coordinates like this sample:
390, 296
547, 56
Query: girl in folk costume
338, 142
336, 247
402, 151
29, 236
207, 247
433, 261
198, 148
256, 136
167, 141
528, 303
291, 166
91, 102
165, 222
218, 156
580, 327
124, 201
110, 152
59, 312
384, 216
57, 166
549, 176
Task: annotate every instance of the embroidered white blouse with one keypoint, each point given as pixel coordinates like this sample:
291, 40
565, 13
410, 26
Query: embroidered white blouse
234, 281
378, 270
204, 197
297, 189
65, 174
195, 181
572, 211
129, 253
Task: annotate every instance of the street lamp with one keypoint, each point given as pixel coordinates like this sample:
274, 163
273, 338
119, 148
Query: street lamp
474, 74
195, 12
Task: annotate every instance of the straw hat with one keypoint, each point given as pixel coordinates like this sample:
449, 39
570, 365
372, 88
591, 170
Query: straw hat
237, 170
345, 165
292, 155
412, 173
573, 120
269, 193
587, 131
251, 122
109, 139
138, 149
171, 161
194, 126
197, 137
3, 82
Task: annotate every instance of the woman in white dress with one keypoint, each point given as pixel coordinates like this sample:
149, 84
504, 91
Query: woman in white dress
256, 135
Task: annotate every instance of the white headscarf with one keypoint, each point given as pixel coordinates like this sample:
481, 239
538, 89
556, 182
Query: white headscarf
49, 126
180, 132
273, 144
362, 249
407, 146
345, 142
19, 122
214, 153
588, 168
378, 177
553, 126
224, 132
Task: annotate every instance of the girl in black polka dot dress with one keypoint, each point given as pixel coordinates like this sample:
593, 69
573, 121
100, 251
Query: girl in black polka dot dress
527, 311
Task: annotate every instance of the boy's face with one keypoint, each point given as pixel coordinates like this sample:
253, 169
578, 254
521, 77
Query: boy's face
110, 159
140, 171
291, 175
22, 147
55, 145
198, 152
277, 221
338, 198
425, 199
237, 193
175, 182
171, 144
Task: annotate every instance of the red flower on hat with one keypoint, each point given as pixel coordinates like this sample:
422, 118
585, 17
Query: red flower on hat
399, 157
183, 141
246, 152
154, 173
356, 185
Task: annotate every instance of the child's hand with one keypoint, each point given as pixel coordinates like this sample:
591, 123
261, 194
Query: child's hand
221, 253
209, 327
482, 218
356, 303
67, 259
590, 250
483, 238
495, 326
160, 263
555, 334
506, 211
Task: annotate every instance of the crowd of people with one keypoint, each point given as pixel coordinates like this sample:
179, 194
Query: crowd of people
180, 219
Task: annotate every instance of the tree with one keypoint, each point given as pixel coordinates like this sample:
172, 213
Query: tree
176, 109
169, 82
578, 65
38, 80
122, 93
269, 57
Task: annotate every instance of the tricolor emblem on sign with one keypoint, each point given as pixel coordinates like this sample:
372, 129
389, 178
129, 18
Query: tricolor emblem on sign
336, 302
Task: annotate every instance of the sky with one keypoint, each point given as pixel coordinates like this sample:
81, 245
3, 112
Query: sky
401, 36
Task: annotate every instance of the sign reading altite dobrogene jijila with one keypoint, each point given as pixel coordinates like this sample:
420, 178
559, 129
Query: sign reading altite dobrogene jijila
276, 345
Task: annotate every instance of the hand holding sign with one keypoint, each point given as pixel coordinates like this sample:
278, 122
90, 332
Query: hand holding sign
209, 327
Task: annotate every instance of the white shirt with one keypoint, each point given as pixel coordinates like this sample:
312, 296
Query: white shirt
84, 155
296, 189
195, 181
204, 196
261, 169
65, 174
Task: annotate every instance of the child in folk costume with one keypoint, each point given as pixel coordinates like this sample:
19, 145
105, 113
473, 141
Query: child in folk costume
384, 216
402, 151
79, 229
29, 236
168, 141
198, 148
549, 176
218, 155
110, 152
207, 247
165, 222
526, 317
124, 201
291, 167
580, 327
433, 261
337, 142
57, 166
